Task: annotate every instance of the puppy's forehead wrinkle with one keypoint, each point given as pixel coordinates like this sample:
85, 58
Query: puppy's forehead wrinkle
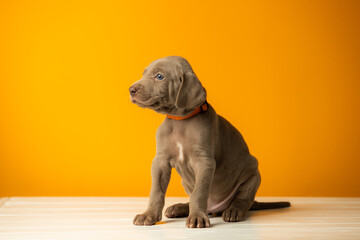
182, 62
173, 64
158, 70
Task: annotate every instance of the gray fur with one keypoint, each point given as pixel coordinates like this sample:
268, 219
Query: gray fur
215, 158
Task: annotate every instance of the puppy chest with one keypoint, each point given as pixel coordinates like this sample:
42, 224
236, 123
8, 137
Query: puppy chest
178, 152
175, 145
180, 155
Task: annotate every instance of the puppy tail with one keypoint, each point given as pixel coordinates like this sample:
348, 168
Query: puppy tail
269, 205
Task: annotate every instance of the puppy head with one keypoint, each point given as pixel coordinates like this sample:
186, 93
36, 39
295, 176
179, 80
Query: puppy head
170, 86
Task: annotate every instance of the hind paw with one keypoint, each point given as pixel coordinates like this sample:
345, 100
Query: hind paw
233, 214
177, 210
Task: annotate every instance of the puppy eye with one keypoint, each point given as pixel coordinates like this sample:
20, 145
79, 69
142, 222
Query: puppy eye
159, 77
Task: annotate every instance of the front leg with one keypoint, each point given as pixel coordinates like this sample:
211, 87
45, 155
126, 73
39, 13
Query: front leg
160, 177
204, 169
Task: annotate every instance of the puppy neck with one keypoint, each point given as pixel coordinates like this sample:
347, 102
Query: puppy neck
203, 108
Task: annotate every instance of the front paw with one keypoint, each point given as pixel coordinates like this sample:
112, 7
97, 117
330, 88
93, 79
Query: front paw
197, 220
147, 219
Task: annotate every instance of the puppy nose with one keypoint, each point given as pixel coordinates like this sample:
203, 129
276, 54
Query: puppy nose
133, 90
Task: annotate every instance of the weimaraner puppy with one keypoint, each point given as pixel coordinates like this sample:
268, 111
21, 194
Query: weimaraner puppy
217, 170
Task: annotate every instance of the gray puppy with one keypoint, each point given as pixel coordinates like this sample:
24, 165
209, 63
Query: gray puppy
217, 170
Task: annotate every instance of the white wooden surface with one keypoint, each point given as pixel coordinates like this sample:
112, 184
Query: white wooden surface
111, 218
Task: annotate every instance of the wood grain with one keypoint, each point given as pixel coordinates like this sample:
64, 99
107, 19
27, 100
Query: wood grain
111, 218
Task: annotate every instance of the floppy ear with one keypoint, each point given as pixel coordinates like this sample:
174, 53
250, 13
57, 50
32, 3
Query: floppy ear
191, 93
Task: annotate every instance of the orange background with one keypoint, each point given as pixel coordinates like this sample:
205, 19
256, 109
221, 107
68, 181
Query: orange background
285, 73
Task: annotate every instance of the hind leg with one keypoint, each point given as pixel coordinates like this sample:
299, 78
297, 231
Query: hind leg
243, 200
177, 210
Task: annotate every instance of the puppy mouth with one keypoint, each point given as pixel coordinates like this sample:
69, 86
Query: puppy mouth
148, 103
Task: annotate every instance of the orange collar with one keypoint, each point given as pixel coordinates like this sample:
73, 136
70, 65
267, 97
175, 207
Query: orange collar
200, 109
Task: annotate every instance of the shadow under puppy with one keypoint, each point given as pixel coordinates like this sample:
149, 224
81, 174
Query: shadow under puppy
217, 170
